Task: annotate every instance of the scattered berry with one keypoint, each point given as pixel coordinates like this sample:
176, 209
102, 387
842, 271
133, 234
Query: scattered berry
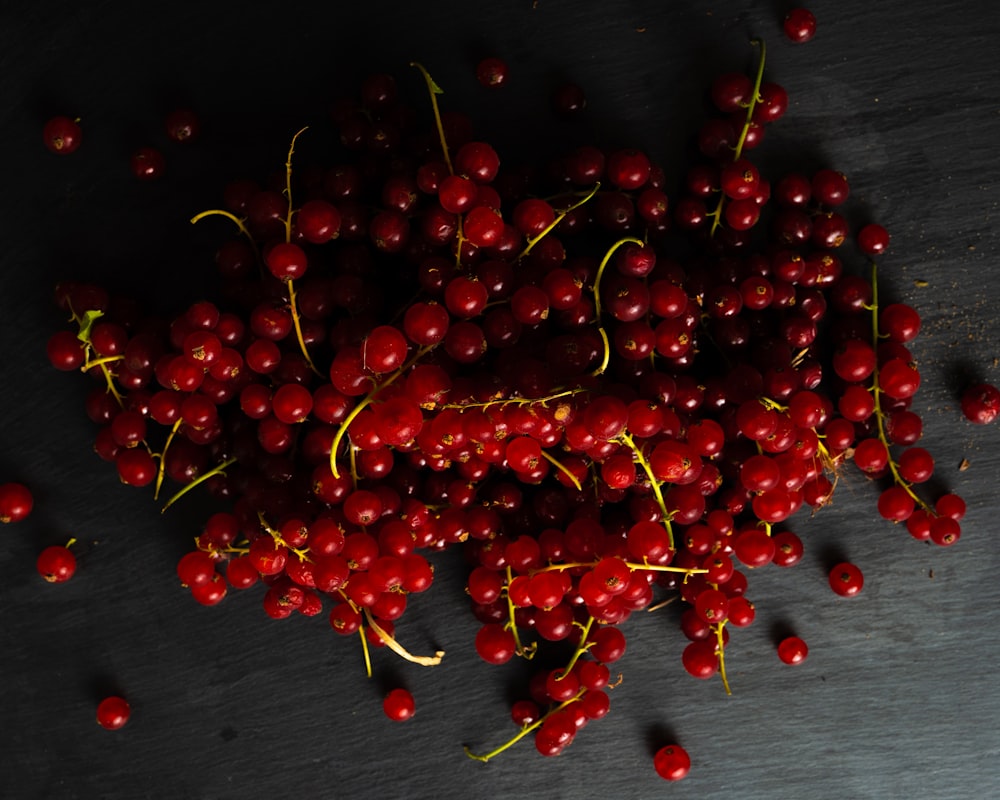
62, 135
16, 502
981, 403
799, 25
148, 164
399, 705
792, 650
846, 579
672, 763
113, 713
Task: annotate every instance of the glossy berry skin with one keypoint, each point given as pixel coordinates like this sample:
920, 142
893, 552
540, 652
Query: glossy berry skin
846, 579
981, 403
148, 164
792, 650
56, 564
62, 135
799, 25
113, 712
491, 72
672, 763
16, 502
399, 705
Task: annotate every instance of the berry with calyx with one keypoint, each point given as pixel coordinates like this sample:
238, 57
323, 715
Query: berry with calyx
56, 563
62, 135
672, 763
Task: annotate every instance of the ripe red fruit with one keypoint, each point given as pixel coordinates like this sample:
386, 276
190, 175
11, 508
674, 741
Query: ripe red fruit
56, 563
672, 763
981, 403
148, 164
792, 650
16, 502
113, 712
491, 72
799, 25
399, 705
846, 579
62, 135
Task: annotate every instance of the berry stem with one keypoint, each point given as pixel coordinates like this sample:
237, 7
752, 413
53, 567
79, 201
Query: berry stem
398, 649
716, 215
297, 322
218, 470
877, 395
525, 652
562, 468
523, 732
161, 467
434, 91
722, 658
581, 648
653, 482
365, 402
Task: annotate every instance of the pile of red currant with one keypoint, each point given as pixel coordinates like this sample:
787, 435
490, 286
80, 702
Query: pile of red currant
609, 397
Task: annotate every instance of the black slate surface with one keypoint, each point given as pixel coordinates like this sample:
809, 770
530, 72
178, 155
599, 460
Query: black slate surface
899, 695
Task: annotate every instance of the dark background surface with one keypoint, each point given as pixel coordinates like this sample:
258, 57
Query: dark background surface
899, 696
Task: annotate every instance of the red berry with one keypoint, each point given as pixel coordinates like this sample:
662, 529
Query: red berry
799, 25
16, 502
792, 650
491, 72
672, 763
148, 164
62, 135
56, 563
981, 403
846, 579
399, 705
113, 713
182, 125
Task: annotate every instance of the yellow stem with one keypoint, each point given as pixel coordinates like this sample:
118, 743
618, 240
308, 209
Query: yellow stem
434, 91
219, 470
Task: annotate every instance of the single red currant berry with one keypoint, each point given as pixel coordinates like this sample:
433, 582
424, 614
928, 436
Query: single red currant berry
981, 403
62, 135
672, 763
148, 164
491, 72
113, 713
568, 100
873, 240
792, 650
56, 564
16, 502
799, 25
846, 579
286, 261
182, 125
399, 705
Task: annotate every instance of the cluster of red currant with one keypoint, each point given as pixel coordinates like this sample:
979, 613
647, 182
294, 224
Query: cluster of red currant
609, 399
